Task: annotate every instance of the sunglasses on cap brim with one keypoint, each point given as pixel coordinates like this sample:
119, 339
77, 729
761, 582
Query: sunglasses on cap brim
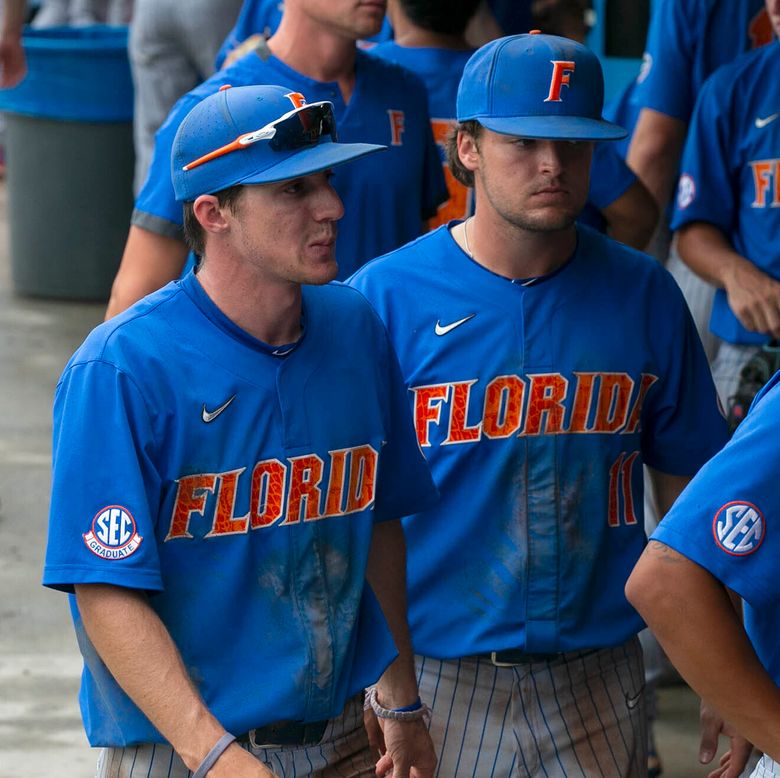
296, 129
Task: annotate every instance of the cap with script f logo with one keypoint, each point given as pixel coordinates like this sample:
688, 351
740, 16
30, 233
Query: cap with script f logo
536, 86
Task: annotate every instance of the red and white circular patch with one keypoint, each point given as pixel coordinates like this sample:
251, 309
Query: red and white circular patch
114, 534
739, 528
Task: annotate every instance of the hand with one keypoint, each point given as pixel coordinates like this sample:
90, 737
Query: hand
410, 752
13, 65
754, 297
733, 762
376, 740
235, 762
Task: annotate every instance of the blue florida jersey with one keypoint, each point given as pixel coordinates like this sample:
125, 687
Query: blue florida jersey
386, 198
239, 488
687, 41
536, 407
440, 71
722, 522
731, 170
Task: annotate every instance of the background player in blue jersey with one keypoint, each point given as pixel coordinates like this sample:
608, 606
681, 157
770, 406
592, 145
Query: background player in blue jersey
687, 41
545, 364
314, 53
429, 41
226, 477
728, 204
720, 537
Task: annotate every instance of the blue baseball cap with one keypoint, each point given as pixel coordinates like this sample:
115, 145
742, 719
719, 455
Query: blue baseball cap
255, 135
536, 86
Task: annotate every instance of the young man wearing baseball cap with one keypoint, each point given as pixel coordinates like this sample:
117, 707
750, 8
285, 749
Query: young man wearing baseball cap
314, 52
226, 478
546, 364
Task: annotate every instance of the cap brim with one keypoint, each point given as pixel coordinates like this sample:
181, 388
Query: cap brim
313, 159
554, 127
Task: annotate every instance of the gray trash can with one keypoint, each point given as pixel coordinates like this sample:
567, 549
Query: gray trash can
69, 152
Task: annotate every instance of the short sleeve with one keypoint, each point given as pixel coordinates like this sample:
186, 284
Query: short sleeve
405, 485
705, 191
724, 520
610, 176
156, 208
105, 489
682, 422
664, 81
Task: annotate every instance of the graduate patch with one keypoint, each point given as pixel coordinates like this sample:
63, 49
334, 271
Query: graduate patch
738, 528
114, 534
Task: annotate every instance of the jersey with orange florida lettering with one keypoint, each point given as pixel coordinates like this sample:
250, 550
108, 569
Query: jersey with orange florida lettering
536, 407
239, 487
731, 170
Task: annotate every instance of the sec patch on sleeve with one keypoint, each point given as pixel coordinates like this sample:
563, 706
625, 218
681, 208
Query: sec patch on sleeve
739, 528
114, 534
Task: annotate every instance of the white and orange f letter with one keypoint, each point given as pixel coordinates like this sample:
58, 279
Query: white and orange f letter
561, 76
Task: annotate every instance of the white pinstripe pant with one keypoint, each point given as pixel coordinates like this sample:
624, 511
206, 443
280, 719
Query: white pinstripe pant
579, 716
766, 768
343, 753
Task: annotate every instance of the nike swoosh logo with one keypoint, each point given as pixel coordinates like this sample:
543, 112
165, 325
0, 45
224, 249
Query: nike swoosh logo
279, 353
632, 702
209, 416
760, 123
443, 330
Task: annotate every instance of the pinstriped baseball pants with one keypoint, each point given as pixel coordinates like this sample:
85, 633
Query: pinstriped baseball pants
766, 768
581, 716
343, 753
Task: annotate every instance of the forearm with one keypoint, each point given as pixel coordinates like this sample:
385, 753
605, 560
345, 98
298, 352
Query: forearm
709, 253
138, 650
633, 217
692, 616
386, 572
654, 153
14, 13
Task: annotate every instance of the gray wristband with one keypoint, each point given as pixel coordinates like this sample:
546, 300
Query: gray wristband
212, 756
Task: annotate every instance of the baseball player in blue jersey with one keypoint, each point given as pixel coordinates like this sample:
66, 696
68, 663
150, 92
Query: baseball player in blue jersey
545, 365
314, 52
727, 213
226, 476
719, 536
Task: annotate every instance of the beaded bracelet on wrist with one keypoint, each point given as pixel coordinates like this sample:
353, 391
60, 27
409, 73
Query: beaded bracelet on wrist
414, 712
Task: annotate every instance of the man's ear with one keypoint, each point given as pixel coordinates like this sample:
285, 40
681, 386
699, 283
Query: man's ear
209, 214
468, 151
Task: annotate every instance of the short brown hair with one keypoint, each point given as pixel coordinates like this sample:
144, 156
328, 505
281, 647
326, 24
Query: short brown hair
459, 170
194, 234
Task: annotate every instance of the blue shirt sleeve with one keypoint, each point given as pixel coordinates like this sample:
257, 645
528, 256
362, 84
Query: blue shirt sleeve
683, 425
156, 208
610, 176
665, 80
723, 521
405, 484
101, 446
705, 191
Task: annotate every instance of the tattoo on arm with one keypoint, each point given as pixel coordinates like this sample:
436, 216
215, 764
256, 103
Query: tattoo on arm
661, 551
